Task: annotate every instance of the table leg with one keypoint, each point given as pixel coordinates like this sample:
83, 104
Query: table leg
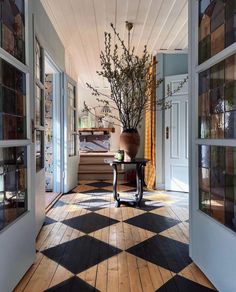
140, 182
115, 193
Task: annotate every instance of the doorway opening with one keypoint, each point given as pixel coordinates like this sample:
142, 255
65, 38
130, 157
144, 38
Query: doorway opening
52, 151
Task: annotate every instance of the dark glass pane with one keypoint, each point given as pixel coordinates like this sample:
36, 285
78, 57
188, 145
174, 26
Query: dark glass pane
217, 14
204, 127
204, 104
205, 201
204, 82
204, 179
230, 68
218, 157
12, 24
217, 40
230, 125
13, 184
217, 126
230, 96
217, 27
204, 156
39, 106
217, 75
230, 188
12, 102
217, 182
230, 24
230, 160
204, 19
39, 150
38, 62
217, 100
204, 50
220, 189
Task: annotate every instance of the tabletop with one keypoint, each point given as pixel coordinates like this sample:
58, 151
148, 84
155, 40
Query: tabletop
134, 161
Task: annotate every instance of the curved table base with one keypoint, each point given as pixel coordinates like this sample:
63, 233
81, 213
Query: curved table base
139, 182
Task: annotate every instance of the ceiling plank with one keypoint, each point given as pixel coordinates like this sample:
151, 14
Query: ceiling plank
80, 24
176, 27
168, 16
183, 34
151, 15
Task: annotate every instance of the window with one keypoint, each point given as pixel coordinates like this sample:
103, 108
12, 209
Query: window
12, 102
39, 107
14, 141
13, 184
72, 134
12, 26
217, 27
217, 112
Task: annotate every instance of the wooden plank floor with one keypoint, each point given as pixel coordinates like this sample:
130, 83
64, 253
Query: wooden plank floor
88, 215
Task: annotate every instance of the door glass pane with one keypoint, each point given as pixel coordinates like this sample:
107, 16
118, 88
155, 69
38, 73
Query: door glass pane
12, 28
39, 106
12, 102
217, 101
13, 184
217, 27
38, 62
217, 183
39, 150
72, 120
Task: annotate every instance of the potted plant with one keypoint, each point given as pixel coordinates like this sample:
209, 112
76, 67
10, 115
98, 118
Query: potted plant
130, 79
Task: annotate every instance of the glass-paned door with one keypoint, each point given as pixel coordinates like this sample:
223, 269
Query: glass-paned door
39, 133
39, 105
17, 224
71, 153
212, 47
72, 129
12, 27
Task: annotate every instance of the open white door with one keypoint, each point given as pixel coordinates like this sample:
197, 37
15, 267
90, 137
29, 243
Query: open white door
39, 135
71, 148
176, 136
17, 217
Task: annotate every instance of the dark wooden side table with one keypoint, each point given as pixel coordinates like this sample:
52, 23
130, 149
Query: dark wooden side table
140, 165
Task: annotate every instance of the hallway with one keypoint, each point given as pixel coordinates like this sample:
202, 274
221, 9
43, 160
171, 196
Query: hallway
86, 244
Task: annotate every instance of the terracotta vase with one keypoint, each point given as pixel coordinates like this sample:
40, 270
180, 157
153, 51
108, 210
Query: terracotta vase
130, 142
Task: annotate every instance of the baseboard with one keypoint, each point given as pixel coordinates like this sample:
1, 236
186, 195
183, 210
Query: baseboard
160, 186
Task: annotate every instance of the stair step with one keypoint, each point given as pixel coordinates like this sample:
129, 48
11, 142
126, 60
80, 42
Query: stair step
98, 175
96, 167
92, 166
95, 158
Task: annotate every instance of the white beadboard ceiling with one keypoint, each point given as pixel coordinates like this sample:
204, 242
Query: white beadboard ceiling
160, 24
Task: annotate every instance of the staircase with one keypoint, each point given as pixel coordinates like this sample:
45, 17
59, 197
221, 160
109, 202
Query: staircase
93, 167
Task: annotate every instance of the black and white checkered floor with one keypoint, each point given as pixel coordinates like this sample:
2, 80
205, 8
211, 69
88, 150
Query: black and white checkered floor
86, 244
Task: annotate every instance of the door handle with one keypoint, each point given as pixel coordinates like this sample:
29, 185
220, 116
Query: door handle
167, 133
32, 130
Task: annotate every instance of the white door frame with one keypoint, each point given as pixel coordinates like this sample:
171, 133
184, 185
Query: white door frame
70, 173
57, 125
171, 83
40, 174
212, 245
18, 238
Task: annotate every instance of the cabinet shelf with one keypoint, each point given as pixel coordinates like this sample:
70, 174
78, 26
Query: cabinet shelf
96, 130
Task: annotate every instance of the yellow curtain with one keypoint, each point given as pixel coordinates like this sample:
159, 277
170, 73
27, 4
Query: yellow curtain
150, 132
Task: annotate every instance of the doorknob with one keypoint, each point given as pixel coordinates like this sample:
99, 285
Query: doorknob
167, 132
